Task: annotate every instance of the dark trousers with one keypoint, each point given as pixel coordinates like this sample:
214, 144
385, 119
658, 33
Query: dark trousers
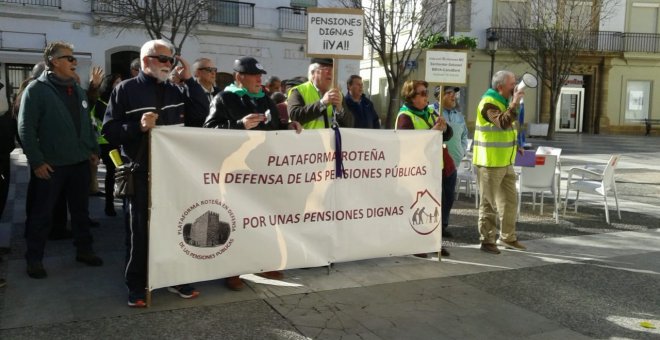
448, 196
73, 180
137, 241
5, 174
109, 175
60, 216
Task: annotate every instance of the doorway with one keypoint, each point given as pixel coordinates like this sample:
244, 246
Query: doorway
570, 110
120, 62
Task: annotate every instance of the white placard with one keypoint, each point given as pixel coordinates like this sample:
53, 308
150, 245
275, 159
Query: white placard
335, 33
446, 67
229, 202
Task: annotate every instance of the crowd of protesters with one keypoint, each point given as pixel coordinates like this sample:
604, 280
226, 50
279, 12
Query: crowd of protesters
65, 131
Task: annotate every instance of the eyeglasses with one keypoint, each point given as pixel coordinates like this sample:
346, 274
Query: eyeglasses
163, 58
424, 93
324, 69
68, 58
209, 69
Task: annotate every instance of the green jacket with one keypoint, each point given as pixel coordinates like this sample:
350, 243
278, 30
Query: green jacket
46, 127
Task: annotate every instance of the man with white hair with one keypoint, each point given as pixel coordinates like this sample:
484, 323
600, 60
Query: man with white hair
494, 154
312, 103
204, 71
136, 106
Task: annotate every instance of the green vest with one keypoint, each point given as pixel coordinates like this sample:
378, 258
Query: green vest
418, 122
98, 124
493, 146
311, 95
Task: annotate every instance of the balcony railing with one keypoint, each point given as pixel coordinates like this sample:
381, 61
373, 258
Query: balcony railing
231, 13
112, 7
602, 41
292, 19
45, 3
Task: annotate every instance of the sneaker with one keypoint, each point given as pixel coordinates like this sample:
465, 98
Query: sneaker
36, 270
234, 283
489, 248
89, 259
444, 252
515, 245
184, 291
136, 300
273, 275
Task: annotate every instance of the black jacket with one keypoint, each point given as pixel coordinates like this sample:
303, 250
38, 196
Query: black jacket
136, 96
227, 110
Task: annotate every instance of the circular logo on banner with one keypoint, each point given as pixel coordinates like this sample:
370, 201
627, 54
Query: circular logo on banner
206, 228
424, 214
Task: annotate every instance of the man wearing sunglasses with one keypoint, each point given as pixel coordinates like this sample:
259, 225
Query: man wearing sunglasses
136, 106
59, 141
204, 70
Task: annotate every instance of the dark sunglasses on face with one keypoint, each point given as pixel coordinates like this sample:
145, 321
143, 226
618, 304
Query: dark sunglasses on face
163, 58
209, 69
69, 58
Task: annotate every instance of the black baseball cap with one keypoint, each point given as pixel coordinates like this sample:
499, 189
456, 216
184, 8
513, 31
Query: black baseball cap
322, 61
444, 89
248, 65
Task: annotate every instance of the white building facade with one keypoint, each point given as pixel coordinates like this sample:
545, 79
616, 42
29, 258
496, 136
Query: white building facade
272, 31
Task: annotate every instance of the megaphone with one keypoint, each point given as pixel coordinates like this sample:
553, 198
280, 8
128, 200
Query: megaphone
527, 80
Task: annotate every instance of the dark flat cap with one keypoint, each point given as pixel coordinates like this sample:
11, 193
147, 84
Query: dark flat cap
436, 90
248, 65
322, 61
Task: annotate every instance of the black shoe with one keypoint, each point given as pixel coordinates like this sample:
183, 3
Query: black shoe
36, 270
444, 252
110, 211
447, 234
89, 259
61, 234
94, 223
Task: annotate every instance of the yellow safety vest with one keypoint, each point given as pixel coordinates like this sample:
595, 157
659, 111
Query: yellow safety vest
493, 146
418, 122
311, 95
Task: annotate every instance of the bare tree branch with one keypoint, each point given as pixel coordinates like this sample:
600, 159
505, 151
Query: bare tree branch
393, 29
549, 35
172, 20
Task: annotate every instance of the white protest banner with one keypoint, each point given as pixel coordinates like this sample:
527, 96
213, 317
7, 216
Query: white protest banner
230, 202
446, 67
335, 33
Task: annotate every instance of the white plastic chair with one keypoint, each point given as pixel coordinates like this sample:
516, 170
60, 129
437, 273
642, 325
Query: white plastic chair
466, 176
540, 179
594, 182
547, 150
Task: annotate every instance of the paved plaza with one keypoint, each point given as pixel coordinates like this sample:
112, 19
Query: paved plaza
579, 279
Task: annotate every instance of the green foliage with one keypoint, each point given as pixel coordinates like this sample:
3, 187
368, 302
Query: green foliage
437, 40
